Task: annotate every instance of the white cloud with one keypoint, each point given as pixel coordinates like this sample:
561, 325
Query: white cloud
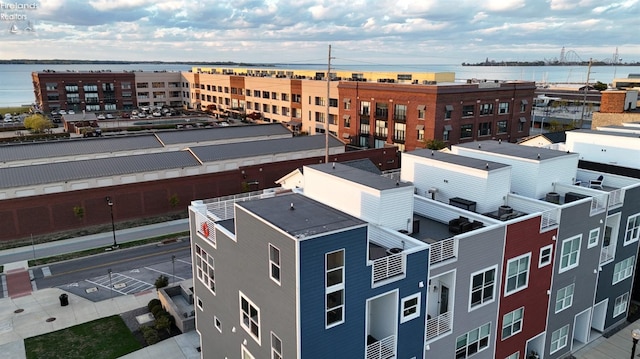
504, 5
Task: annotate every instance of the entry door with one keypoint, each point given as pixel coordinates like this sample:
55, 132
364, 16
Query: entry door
444, 299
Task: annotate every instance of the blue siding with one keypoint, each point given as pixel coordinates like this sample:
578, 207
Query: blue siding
348, 340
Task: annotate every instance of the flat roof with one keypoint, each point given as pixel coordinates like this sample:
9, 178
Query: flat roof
76, 147
458, 160
218, 152
359, 176
604, 132
308, 218
513, 150
23, 176
221, 133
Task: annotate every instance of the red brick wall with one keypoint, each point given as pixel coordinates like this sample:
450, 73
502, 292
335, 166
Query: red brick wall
612, 101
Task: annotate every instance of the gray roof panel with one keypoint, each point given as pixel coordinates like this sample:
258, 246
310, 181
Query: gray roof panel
12, 177
220, 133
458, 159
512, 150
362, 177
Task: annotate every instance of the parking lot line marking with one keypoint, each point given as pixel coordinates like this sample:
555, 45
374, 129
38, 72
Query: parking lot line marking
106, 287
183, 261
165, 273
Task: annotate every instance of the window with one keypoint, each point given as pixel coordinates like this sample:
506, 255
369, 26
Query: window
382, 110
421, 111
250, 317
466, 131
274, 263
334, 288
512, 323
520, 126
593, 237
564, 297
620, 305
559, 339
217, 323
274, 95
482, 287
347, 104
486, 109
633, 229
447, 112
517, 274
523, 106
365, 107
501, 127
400, 113
467, 110
276, 347
399, 131
410, 307
319, 101
333, 102
515, 355
484, 129
199, 303
545, 255
623, 270
570, 253
125, 85
142, 85
503, 108
246, 354
51, 86
473, 342
205, 269
421, 134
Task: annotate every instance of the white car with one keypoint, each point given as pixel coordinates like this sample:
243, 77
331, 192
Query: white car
71, 112
62, 112
100, 117
156, 114
109, 116
142, 115
134, 113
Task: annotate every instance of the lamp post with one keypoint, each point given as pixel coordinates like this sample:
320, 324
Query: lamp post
635, 335
113, 226
110, 285
173, 263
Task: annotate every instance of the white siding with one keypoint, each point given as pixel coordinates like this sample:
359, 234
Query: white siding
605, 148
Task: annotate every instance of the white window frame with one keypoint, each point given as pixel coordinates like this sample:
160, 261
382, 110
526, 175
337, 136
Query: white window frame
620, 305
549, 258
512, 323
273, 265
334, 288
217, 323
594, 236
561, 336
245, 354
572, 250
412, 311
564, 296
515, 355
486, 337
632, 230
251, 320
275, 352
205, 269
518, 262
623, 270
199, 303
482, 302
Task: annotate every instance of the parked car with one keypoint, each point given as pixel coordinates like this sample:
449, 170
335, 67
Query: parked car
126, 115
109, 116
71, 112
62, 112
156, 114
142, 115
134, 112
100, 117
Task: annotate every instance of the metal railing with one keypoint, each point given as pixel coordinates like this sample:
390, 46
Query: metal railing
598, 204
382, 349
549, 219
442, 250
387, 267
439, 325
222, 207
205, 228
615, 197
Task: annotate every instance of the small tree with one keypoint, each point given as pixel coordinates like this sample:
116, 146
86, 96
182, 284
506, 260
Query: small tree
78, 211
600, 86
164, 323
434, 144
162, 281
174, 200
37, 123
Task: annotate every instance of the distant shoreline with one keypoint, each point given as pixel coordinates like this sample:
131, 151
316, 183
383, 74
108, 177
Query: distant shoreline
547, 63
122, 62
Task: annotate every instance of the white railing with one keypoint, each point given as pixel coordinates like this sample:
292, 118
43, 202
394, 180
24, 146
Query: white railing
223, 207
615, 197
607, 253
392, 174
205, 228
387, 267
439, 325
442, 250
549, 219
598, 204
382, 349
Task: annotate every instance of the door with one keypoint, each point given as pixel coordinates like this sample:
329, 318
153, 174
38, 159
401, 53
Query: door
444, 299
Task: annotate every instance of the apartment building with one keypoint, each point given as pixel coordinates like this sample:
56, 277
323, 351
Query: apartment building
158, 88
527, 256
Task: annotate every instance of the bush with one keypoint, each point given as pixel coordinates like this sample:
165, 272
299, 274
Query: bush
164, 323
162, 281
150, 335
153, 302
157, 310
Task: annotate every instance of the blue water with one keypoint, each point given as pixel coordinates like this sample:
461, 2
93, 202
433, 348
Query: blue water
16, 88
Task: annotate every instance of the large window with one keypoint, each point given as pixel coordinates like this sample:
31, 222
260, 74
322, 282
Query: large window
564, 298
274, 263
365, 108
545, 255
467, 110
512, 323
501, 127
559, 339
250, 317
570, 256
473, 342
334, 288
400, 113
517, 274
410, 307
482, 287
466, 131
593, 237
205, 269
623, 270
486, 109
503, 108
399, 131
633, 229
484, 129
276, 347
620, 305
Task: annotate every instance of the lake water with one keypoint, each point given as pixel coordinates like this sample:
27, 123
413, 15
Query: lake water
16, 88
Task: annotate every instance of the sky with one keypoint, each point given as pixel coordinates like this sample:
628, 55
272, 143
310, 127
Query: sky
300, 31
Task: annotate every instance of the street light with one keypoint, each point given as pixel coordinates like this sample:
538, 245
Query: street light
635, 335
173, 263
110, 285
113, 226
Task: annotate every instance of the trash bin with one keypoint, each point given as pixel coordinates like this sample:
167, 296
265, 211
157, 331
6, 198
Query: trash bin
64, 300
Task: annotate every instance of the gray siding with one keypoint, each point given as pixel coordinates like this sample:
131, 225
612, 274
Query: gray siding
476, 252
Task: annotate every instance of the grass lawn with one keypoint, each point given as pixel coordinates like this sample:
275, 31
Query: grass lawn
13, 110
100, 339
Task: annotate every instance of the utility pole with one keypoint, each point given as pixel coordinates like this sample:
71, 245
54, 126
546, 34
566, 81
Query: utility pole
584, 100
326, 120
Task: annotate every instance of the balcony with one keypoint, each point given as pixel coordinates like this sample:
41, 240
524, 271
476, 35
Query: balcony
439, 325
381, 349
442, 250
388, 267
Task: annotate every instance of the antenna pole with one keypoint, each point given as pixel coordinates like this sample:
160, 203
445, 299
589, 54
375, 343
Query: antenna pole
586, 88
326, 120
